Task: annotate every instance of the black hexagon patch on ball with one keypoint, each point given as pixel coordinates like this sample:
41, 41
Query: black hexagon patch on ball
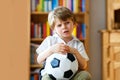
52, 77
68, 74
70, 57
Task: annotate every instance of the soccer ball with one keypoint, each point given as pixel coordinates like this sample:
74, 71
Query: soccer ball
61, 66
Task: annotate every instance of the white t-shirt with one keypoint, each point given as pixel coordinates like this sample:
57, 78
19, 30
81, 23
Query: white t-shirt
51, 40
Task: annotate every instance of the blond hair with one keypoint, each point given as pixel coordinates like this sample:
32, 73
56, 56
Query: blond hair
61, 13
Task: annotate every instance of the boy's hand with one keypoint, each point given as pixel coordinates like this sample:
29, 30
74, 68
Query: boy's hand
72, 50
60, 48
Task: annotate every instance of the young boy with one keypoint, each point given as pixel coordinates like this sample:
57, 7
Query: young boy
62, 22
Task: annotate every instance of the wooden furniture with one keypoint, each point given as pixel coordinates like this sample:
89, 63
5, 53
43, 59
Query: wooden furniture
112, 5
111, 42
40, 17
111, 55
14, 40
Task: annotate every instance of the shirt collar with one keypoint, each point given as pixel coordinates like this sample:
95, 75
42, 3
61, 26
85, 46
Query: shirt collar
74, 38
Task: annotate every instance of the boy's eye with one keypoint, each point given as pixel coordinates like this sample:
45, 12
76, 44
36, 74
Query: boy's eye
59, 25
67, 22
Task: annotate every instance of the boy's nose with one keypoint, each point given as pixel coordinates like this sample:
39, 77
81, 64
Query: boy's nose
63, 26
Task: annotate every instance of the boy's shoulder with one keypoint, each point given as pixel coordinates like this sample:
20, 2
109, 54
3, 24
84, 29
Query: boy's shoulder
51, 37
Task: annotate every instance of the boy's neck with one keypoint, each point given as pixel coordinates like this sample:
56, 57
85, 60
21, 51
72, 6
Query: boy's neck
67, 39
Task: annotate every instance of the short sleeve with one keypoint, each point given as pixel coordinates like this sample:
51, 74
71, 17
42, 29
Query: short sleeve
44, 45
82, 51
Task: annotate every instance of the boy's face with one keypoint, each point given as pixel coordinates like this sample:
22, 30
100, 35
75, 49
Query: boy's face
64, 28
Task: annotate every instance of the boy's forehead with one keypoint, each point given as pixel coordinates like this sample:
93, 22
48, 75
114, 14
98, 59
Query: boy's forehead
58, 20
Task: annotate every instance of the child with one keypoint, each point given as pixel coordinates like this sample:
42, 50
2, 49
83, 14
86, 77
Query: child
62, 22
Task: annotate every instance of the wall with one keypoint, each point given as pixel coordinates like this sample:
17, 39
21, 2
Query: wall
14, 39
97, 23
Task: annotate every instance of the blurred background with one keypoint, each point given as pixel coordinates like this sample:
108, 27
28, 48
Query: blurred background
15, 18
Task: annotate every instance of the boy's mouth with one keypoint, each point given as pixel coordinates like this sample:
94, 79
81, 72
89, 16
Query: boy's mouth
65, 31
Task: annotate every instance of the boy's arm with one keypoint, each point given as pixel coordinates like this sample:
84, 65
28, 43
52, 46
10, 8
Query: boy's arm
82, 62
43, 55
